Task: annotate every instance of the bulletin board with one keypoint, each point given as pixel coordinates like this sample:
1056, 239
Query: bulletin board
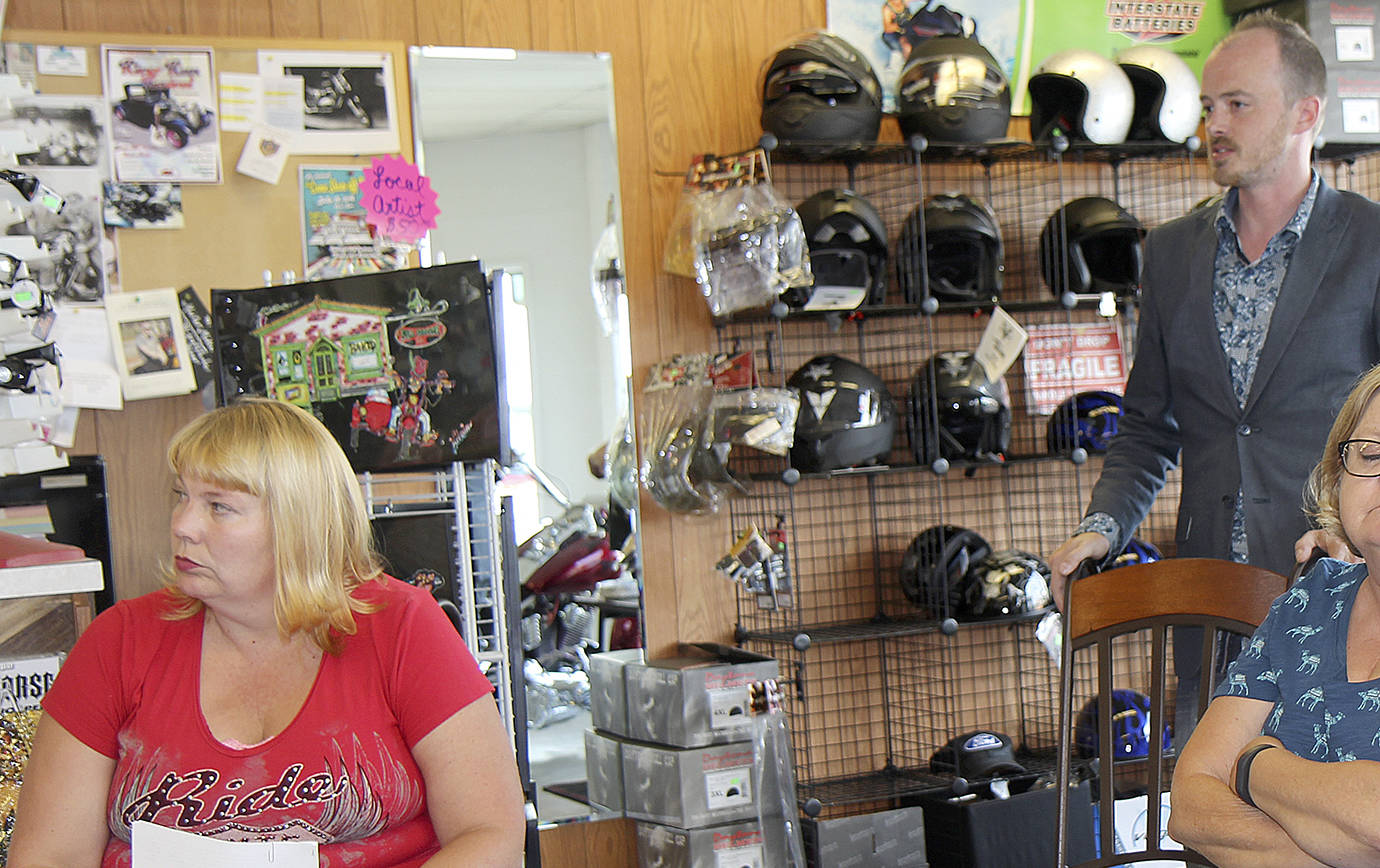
233, 231
236, 229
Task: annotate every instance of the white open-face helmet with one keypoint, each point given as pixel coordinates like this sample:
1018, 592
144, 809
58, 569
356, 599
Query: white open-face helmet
1167, 104
1083, 94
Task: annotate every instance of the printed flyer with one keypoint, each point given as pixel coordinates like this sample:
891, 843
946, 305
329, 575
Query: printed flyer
163, 121
337, 240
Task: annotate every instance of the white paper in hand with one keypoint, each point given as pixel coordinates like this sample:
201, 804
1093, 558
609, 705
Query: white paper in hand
160, 847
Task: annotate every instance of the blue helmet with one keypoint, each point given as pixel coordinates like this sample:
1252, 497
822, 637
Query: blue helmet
1137, 551
1087, 419
1130, 725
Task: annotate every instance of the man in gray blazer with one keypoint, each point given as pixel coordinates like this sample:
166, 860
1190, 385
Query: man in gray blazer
1259, 311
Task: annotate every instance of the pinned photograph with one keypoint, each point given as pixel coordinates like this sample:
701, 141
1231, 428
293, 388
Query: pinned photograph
64, 130
150, 344
77, 261
143, 206
349, 99
163, 121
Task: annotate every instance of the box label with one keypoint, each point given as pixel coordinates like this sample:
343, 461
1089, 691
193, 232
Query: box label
728, 707
740, 857
728, 788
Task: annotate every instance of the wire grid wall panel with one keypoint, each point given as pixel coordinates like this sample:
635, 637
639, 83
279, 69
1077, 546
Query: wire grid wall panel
878, 685
466, 492
1358, 172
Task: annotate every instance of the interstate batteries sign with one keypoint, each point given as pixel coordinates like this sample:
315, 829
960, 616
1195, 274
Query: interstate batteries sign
1062, 359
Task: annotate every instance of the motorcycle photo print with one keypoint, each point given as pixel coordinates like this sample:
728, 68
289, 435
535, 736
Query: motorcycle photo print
162, 114
143, 206
63, 130
349, 99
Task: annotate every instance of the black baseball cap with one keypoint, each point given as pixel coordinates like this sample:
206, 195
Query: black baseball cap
977, 754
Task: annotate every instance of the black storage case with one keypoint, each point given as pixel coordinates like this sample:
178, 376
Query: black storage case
1006, 833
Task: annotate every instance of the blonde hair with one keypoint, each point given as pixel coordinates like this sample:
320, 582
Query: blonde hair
1320, 495
323, 545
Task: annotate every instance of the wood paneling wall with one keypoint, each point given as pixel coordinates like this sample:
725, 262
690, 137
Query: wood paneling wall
684, 82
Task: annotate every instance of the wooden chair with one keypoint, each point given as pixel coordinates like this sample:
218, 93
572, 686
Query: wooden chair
1221, 597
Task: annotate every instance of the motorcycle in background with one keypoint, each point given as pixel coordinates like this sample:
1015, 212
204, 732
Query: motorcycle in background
576, 572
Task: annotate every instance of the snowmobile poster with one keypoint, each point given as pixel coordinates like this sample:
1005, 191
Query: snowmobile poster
162, 104
399, 365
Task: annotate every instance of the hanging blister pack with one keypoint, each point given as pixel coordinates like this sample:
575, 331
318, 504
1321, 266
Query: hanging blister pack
758, 562
742, 242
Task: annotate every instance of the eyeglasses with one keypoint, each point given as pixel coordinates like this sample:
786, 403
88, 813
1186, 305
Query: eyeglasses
1360, 457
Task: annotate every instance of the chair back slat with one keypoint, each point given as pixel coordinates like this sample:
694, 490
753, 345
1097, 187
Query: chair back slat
1156, 598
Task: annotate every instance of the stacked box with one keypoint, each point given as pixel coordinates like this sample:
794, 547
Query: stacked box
698, 699
690, 787
885, 839
739, 845
1345, 31
608, 695
604, 771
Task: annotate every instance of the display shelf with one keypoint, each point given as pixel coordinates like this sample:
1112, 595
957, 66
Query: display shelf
463, 497
877, 627
1082, 302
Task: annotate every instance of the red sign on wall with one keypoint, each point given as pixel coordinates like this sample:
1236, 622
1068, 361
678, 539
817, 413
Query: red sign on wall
1067, 358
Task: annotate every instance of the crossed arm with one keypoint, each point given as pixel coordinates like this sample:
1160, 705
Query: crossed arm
1309, 813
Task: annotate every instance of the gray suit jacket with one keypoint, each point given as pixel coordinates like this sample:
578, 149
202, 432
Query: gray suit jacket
1180, 405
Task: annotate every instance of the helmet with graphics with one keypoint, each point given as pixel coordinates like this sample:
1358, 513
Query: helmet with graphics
1130, 726
957, 412
847, 416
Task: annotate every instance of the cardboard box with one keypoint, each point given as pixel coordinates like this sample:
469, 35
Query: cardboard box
735, 845
697, 699
690, 788
1343, 29
604, 771
608, 694
1017, 832
1353, 108
885, 839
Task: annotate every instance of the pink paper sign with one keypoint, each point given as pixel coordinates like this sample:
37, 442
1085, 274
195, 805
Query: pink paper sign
398, 199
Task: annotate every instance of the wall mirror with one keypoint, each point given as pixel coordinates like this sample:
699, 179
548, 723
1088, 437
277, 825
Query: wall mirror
521, 149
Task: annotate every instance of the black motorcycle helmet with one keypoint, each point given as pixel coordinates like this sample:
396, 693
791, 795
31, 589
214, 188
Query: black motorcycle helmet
963, 251
819, 89
847, 416
956, 412
936, 565
848, 244
1005, 584
952, 91
1091, 245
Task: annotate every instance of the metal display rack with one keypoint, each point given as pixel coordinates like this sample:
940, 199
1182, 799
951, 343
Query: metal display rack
465, 492
880, 682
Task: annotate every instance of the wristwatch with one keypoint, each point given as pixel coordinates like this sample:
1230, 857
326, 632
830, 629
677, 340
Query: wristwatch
1243, 773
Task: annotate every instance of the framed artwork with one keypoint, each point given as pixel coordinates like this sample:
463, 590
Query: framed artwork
399, 365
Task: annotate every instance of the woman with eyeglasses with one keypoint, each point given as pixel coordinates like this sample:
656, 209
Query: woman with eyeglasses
1284, 768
